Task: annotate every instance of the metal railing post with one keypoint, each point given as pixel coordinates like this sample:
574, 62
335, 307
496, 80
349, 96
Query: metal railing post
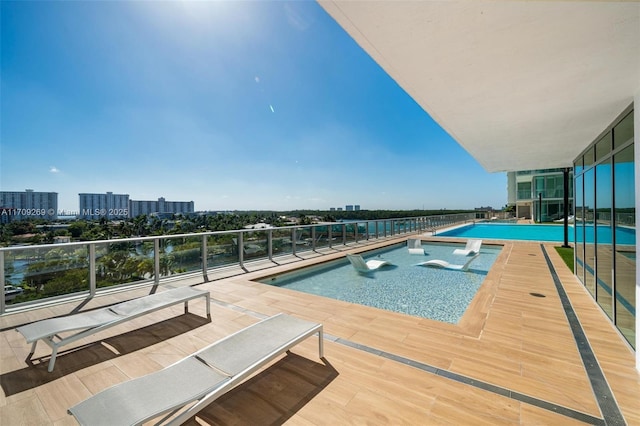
92, 269
270, 244
204, 258
344, 234
313, 238
241, 249
330, 234
156, 261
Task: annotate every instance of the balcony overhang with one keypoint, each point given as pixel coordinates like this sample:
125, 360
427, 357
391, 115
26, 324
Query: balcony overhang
518, 84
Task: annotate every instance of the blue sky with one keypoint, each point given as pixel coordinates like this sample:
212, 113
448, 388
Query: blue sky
232, 105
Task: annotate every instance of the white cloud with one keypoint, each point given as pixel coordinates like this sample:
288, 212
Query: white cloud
54, 169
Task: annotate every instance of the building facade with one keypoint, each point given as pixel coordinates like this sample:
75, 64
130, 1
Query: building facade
108, 206
28, 204
529, 97
605, 223
538, 194
161, 206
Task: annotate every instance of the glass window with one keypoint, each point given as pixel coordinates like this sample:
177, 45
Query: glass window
604, 239
578, 165
625, 238
524, 191
589, 234
579, 230
588, 157
603, 147
623, 132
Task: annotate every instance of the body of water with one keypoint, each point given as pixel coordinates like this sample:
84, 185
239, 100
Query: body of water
503, 231
404, 287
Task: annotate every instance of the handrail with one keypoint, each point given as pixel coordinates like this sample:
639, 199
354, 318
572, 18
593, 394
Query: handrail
50, 272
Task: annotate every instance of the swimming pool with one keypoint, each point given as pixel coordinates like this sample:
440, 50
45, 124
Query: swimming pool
438, 294
505, 231
555, 233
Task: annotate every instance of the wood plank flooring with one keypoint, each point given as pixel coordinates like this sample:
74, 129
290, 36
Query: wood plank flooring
510, 356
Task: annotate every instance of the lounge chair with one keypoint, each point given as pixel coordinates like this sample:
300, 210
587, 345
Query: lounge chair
363, 266
415, 246
437, 263
201, 377
472, 247
88, 323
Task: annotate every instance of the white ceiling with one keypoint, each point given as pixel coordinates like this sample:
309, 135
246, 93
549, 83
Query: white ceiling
519, 84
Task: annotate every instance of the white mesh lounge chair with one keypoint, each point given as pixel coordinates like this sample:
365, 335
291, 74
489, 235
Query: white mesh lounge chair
472, 247
415, 246
199, 379
85, 324
363, 266
437, 263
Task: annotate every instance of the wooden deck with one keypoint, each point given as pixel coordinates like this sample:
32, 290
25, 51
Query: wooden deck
512, 359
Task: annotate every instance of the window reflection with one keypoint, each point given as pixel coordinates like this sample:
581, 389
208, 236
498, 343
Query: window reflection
589, 234
579, 230
625, 233
604, 238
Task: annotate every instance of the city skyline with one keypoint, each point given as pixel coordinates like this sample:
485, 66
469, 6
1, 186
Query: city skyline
237, 106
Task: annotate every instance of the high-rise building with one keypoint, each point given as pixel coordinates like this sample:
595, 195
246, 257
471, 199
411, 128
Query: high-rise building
349, 208
160, 206
109, 206
28, 204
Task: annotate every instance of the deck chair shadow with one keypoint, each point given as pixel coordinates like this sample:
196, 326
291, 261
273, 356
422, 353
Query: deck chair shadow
437, 263
414, 246
181, 390
55, 331
472, 247
362, 266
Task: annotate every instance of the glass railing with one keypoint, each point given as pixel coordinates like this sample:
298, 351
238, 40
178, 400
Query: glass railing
46, 273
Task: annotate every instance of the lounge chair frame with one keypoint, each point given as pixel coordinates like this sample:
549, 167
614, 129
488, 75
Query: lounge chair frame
213, 371
366, 266
92, 322
472, 247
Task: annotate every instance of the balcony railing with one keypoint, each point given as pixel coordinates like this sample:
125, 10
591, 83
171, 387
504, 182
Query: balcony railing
47, 273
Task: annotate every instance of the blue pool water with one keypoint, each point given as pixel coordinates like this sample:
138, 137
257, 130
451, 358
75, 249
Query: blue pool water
438, 294
503, 231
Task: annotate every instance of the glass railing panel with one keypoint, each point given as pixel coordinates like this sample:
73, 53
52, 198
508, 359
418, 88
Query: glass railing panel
221, 250
180, 255
282, 241
47, 272
121, 262
303, 240
336, 236
321, 238
350, 230
255, 245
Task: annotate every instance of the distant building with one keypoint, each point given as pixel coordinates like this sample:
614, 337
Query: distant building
349, 208
28, 204
60, 239
109, 206
332, 209
357, 207
161, 206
